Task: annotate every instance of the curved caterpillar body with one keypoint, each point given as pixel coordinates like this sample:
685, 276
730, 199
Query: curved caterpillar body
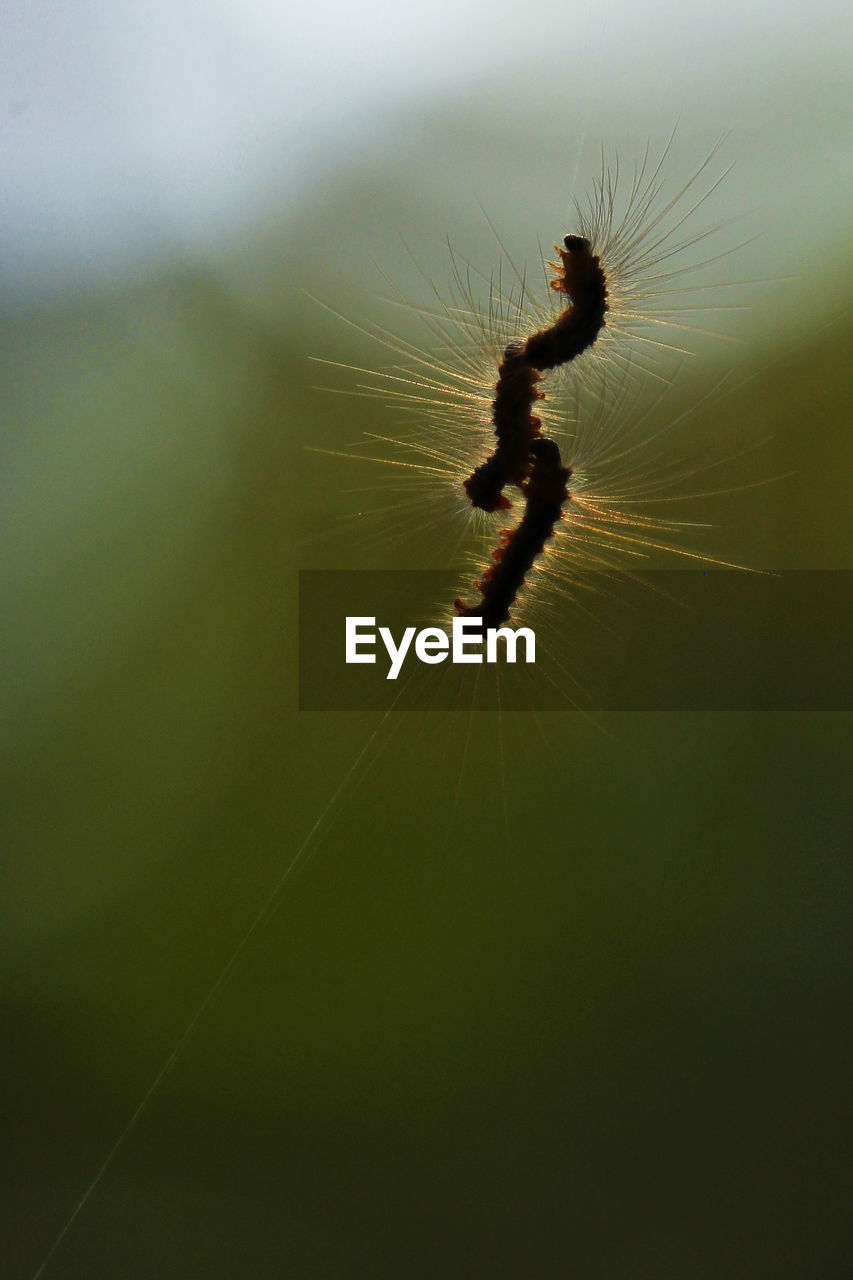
582, 278
524, 457
546, 491
625, 292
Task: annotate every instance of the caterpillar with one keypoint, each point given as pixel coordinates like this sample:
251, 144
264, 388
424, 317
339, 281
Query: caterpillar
523, 457
472, 391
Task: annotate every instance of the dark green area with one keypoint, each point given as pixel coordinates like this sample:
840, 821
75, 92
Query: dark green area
545, 996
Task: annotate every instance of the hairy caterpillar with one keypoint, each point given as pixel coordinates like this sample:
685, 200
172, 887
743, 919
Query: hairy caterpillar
522, 457
636, 287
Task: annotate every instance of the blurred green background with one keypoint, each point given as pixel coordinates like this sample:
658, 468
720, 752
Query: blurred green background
543, 996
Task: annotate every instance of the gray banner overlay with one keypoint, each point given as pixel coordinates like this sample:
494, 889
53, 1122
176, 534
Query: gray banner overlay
715, 640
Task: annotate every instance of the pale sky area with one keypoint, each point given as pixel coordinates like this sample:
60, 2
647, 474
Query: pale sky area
134, 127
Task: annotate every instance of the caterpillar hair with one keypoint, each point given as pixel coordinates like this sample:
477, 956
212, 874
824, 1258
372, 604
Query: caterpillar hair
628, 268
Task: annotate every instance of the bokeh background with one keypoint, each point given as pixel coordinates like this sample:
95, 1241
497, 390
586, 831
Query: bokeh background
541, 997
